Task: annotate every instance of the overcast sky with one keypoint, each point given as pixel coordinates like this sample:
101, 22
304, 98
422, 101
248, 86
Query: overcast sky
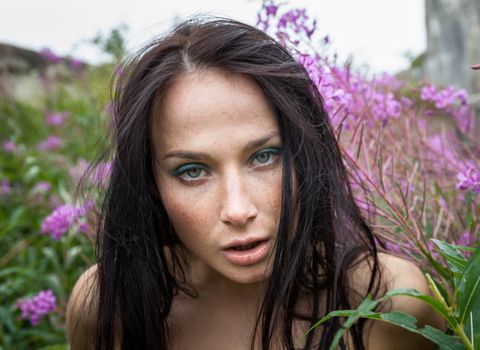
376, 32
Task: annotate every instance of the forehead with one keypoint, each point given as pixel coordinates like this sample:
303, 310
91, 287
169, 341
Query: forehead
209, 103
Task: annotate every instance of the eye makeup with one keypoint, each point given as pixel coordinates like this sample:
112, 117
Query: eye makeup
191, 170
263, 158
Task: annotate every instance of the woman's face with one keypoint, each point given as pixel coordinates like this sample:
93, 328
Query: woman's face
219, 172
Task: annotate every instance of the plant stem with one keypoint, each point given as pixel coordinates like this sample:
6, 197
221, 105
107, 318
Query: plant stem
456, 327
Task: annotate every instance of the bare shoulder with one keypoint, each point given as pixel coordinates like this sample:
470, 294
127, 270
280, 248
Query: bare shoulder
396, 273
81, 311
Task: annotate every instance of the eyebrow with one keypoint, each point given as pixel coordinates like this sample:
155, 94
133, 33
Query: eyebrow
201, 155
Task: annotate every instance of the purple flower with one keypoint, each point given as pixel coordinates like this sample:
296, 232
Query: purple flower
98, 176
313, 68
37, 306
42, 187
469, 179
9, 146
406, 102
56, 118
51, 143
445, 97
50, 56
271, 9
78, 170
5, 187
428, 92
464, 117
83, 227
393, 247
466, 239
75, 64
61, 220
101, 173
442, 151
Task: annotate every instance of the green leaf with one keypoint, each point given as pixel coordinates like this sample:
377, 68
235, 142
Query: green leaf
368, 304
363, 310
71, 256
31, 173
453, 255
365, 306
16, 215
464, 247
400, 319
469, 300
338, 313
439, 268
434, 303
408, 322
444, 341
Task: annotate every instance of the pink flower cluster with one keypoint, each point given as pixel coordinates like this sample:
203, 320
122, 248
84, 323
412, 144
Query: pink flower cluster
56, 118
37, 306
98, 176
452, 101
42, 187
9, 146
75, 63
353, 94
62, 219
51, 143
469, 178
375, 99
5, 187
50, 56
292, 27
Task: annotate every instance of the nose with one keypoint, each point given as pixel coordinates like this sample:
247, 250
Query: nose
237, 205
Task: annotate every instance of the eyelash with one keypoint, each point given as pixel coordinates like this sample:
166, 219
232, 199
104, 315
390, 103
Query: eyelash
272, 152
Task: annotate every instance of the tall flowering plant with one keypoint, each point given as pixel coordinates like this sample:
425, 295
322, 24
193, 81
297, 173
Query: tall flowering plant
413, 162
45, 234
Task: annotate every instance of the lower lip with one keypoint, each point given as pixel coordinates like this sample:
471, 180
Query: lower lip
250, 256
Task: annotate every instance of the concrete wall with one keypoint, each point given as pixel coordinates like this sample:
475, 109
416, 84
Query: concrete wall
453, 43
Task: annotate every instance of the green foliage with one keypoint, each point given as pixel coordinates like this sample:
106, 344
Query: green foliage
114, 43
461, 314
29, 260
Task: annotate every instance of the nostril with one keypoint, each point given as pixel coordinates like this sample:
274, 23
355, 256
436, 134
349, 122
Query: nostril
238, 213
238, 208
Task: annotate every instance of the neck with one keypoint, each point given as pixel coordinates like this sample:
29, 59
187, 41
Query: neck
217, 289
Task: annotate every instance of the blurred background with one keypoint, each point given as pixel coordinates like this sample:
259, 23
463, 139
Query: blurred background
438, 37
378, 32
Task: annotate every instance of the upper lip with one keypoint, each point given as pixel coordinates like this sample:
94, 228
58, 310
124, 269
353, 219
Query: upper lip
244, 241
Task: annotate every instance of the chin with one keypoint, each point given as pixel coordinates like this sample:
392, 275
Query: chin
250, 277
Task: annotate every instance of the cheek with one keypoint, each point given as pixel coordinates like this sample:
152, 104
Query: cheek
270, 192
187, 213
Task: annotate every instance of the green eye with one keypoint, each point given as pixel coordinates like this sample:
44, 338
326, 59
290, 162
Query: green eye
263, 157
194, 172
266, 156
189, 171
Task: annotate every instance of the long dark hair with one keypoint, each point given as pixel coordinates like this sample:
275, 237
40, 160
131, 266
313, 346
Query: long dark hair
321, 232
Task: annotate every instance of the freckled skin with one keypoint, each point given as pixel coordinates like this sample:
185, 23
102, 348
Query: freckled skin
234, 192
237, 195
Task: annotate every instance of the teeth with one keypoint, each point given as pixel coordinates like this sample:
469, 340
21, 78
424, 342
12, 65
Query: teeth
246, 247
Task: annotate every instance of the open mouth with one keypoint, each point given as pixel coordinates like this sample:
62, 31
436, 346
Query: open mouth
249, 254
247, 246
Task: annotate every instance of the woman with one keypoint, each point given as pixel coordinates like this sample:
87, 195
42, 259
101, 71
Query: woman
228, 222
